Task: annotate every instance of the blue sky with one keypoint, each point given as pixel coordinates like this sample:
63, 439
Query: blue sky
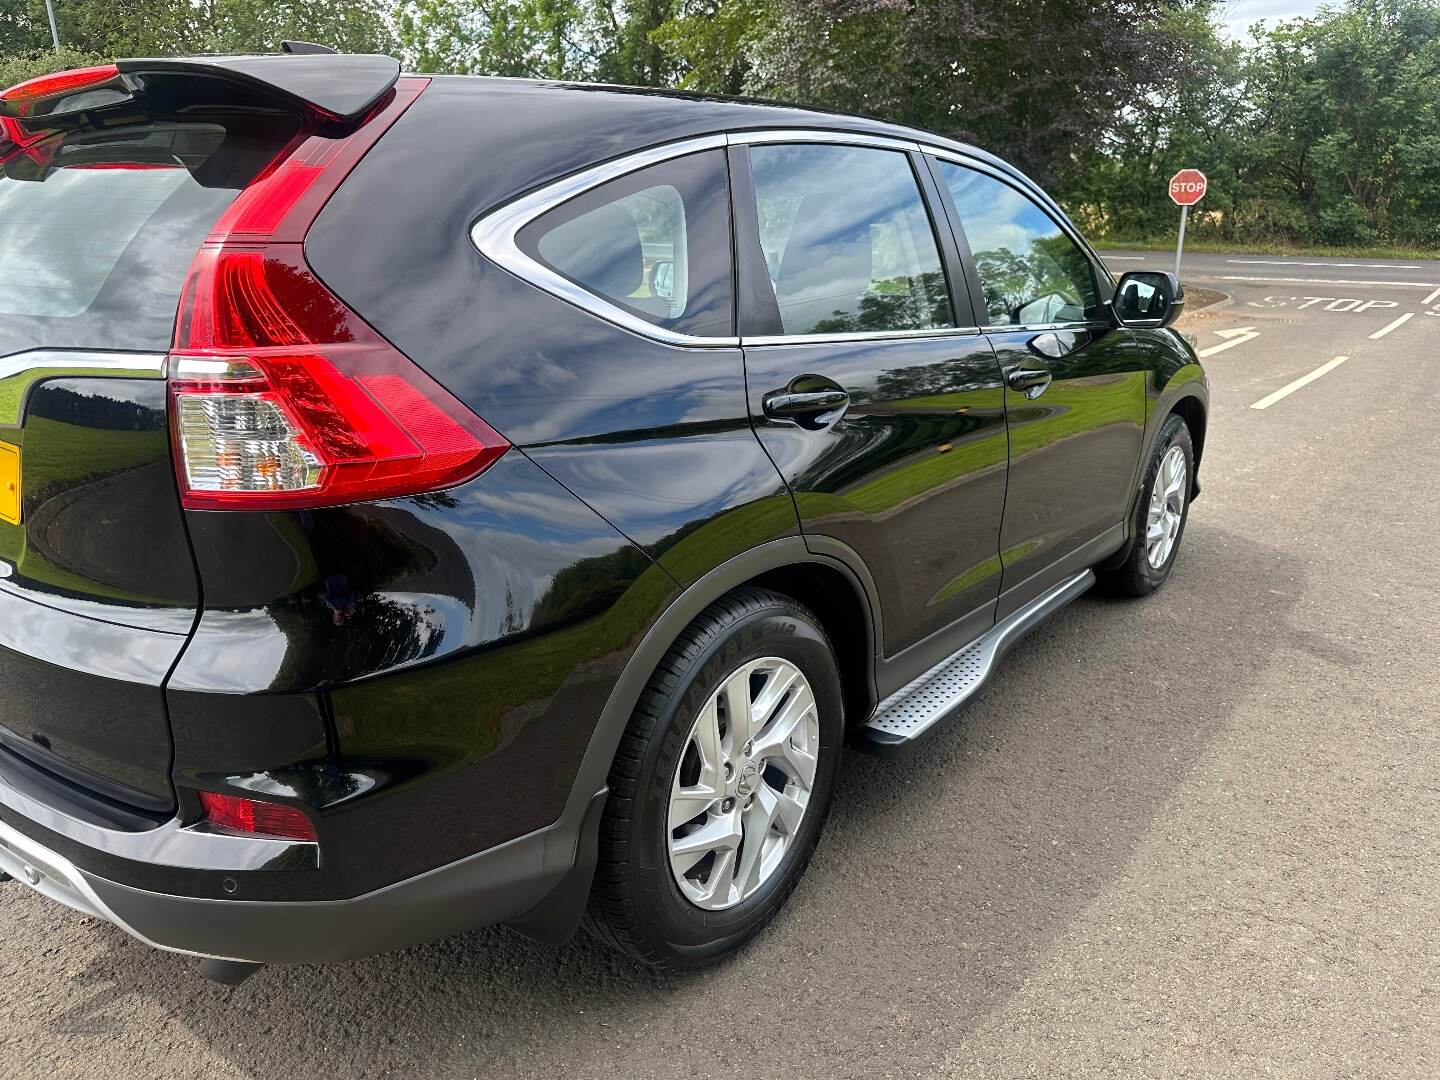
1239, 14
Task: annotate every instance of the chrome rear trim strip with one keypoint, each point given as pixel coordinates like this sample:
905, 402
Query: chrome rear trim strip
21, 371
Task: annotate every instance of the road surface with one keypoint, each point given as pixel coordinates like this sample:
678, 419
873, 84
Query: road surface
1194, 836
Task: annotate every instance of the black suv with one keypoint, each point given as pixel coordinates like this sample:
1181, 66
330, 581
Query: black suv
436, 502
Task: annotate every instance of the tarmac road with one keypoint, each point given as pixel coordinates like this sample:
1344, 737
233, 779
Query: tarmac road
1190, 836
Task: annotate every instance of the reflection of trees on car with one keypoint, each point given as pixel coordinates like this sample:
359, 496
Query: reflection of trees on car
894, 303
1014, 282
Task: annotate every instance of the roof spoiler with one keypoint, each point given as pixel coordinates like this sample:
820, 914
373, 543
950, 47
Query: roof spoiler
336, 87
339, 86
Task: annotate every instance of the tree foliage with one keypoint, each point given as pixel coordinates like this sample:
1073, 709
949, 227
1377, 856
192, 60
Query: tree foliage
112, 28
1318, 130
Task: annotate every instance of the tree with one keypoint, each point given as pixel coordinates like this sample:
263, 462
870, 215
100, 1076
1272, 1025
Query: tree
1030, 81
114, 28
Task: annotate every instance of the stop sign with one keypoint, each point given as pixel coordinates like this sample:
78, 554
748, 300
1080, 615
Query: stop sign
1187, 187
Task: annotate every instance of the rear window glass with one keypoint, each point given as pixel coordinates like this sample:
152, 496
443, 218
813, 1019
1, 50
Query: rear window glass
60, 241
98, 229
655, 242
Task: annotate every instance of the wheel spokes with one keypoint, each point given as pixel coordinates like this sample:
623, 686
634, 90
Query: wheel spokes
706, 738
688, 803
735, 693
719, 834
1167, 505
742, 785
777, 685
758, 819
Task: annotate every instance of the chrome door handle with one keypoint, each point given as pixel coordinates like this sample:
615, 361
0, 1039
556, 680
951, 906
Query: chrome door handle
787, 406
1032, 382
812, 402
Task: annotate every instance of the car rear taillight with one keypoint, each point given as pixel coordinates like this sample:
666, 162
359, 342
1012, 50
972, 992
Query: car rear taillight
281, 396
255, 816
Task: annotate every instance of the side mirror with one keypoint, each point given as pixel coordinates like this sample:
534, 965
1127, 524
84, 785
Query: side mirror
662, 279
1148, 299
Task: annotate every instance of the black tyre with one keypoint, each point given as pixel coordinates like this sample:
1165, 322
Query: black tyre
721, 785
1159, 523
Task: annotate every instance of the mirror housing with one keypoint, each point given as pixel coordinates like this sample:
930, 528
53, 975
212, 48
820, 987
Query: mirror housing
661, 279
1148, 299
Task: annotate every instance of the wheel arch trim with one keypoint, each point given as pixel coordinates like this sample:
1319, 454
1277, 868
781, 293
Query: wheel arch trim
682, 611
570, 847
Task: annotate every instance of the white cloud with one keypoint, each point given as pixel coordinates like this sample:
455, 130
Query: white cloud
1239, 16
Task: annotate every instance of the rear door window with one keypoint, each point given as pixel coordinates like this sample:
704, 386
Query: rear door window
98, 228
655, 243
847, 240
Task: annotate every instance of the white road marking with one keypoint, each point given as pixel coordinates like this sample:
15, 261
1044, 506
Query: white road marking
1328, 281
1123, 258
1235, 336
1291, 262
1432, 297
1304, 380
1401, 321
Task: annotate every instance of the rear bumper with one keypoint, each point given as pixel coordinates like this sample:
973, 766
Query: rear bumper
501, 884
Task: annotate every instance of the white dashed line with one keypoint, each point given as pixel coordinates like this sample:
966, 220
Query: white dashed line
1337, 265
1123, 258
1401, 321
1304, 380
1329, 281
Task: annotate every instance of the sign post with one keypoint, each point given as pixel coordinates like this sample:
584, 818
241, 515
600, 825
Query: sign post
54, 30
1187, 187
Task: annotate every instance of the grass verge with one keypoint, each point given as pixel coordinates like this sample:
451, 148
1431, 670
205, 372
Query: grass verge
1225, 247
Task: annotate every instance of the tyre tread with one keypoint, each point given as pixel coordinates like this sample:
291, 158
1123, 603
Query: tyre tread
611, 916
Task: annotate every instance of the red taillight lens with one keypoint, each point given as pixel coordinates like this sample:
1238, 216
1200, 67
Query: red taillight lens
282, 397
255, 816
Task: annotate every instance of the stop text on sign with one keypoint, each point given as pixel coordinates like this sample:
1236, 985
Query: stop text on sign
1187, 187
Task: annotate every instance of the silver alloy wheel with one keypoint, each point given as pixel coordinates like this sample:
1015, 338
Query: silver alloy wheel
1167, 507
743, 783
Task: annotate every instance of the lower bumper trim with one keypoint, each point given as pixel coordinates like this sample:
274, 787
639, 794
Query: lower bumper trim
499, 885
57, 878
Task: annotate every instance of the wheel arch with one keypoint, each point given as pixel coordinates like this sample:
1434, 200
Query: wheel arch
1190, 408
810, 575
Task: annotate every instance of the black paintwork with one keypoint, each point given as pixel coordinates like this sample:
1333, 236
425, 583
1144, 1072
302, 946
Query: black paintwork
97, 586
911, 477
433, 676
342, 87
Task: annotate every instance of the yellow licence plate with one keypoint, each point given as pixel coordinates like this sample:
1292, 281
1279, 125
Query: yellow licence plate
9, 483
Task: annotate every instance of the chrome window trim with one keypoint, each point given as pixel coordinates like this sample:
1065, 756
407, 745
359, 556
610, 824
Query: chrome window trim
875, 335
21, 371
495, 235
822, 135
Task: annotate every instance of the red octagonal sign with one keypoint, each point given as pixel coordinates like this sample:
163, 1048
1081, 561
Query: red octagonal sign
1187, 187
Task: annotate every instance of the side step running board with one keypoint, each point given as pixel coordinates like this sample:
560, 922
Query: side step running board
903, 717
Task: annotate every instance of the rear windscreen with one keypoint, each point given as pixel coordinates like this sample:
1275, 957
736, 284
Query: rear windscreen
98, 228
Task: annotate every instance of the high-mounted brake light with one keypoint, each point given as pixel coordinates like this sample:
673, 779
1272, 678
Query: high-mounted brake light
28, 101
24, 96
281, 396
255, 816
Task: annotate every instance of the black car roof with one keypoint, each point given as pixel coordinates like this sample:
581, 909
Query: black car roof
720, 111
